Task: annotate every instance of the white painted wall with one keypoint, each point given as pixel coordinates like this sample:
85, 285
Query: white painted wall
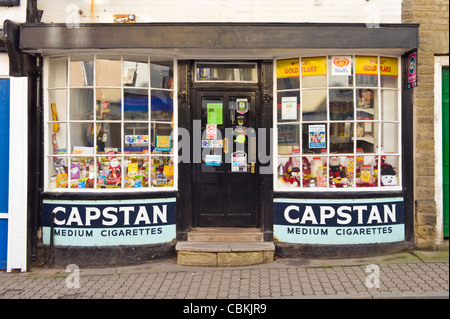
18, 168
338, 11
16, 14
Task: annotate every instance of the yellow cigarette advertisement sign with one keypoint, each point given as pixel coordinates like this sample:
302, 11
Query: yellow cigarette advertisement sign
368, 65
288, 68
389, 66
314, 66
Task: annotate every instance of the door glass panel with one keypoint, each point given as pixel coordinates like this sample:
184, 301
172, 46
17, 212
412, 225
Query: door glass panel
212, 142
243, 134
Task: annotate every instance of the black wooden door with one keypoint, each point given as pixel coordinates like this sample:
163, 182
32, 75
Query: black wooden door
225, 182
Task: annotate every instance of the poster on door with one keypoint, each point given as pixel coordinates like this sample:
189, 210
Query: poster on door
239, 162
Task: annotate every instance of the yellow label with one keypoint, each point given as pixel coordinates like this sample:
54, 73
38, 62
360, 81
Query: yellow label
351, 166
366, 65
314, 66
365, 176
288, 68
168, 170
389, 66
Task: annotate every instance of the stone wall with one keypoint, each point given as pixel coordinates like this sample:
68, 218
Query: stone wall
433, 17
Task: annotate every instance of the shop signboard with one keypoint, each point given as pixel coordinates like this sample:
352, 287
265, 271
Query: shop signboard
108, 222
412, 70
339, 221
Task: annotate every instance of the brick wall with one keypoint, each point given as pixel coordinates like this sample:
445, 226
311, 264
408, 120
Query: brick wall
433, 17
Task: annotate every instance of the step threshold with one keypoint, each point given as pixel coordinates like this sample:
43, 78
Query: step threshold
208, 246
224, 254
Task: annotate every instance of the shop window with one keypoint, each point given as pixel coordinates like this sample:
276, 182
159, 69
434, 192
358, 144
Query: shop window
109, 123
338, 123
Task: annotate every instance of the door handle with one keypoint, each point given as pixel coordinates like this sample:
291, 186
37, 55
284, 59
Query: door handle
225, 145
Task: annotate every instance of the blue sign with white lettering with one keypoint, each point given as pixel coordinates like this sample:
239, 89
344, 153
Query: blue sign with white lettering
109, 223
339, 221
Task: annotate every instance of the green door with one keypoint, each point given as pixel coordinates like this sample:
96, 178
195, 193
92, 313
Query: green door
445, 141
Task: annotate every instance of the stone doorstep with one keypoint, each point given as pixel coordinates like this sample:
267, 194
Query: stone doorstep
224, 247
225, 234
224, 254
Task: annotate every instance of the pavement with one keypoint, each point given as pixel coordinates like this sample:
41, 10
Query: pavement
405, 275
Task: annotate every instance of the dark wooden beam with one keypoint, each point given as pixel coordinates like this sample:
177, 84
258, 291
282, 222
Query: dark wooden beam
217, 36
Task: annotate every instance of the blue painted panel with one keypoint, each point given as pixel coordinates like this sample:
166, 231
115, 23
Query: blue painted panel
3, 242
4, 166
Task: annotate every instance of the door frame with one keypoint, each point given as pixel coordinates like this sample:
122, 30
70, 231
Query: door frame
225, 90
439, 63
264, 97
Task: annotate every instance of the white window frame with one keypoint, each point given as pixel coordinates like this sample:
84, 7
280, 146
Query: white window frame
354, 87
68, 155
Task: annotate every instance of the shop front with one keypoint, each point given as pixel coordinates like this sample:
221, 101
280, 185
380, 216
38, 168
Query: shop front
298, 132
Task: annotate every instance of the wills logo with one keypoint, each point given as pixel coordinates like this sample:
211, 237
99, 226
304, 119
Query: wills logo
341, 62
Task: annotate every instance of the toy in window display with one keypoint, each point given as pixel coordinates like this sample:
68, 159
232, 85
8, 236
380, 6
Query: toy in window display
388, 175
337, 173
114, 172
295, 177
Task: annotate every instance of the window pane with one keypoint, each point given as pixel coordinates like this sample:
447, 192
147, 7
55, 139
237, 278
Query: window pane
161, 72
57, 76
81, 172
288, 138
81, 104
288, 106
389, 105
110, 171
108, 72
162, 106
341, 171
162, 171
389, 171
389, 137
314, 72
57, 138
341, 74
58, 105
161, 139
109, 138
314, 105
341, 137
82, 137
109, 105
135, 72
136, 138
341, 105
389, 72
367, 136
58, 172
136, 170
365, 171
367, 107
315, 172
289, 172
81, 71
288, 74
314, 138
366, 70
135, 105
